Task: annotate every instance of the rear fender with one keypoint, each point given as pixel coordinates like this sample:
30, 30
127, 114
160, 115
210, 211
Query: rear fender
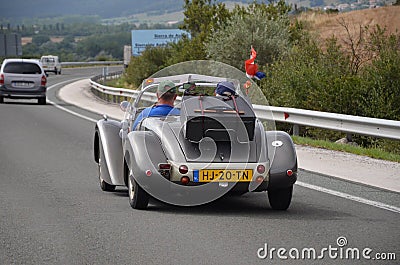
107, 136
282, 156
143, 152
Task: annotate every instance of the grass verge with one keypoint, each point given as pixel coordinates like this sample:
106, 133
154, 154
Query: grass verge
119, 83
371, 152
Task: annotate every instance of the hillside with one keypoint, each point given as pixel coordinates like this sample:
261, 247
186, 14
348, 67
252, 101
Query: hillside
103, 8
327, 25
154, 11
17, 11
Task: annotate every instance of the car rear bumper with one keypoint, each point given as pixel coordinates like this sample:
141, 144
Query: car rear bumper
233, 187
23, 93
53, 70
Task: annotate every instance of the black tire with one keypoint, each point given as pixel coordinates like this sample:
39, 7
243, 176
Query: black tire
1, 100
138, 197
103, 185
280, 199
42, 101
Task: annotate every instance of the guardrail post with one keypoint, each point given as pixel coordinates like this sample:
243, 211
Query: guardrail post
105, 73
296, 130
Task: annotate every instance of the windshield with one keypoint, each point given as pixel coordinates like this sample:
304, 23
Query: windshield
48, 60
22, 68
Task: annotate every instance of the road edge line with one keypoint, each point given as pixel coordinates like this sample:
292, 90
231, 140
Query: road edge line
350, 197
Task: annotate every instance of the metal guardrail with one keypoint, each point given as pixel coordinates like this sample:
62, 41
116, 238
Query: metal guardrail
92, 63
332, 121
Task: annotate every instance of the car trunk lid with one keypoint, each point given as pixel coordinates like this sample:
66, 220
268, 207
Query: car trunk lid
16, 81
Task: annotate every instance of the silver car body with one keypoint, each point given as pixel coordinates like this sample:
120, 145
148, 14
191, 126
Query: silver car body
22, 78
123, 153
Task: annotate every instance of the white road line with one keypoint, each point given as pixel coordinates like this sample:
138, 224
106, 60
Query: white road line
63, 82
350, 197
65, 109
302, 184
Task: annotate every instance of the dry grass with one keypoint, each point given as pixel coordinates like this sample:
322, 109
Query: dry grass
26, 40
56, 39
328, 25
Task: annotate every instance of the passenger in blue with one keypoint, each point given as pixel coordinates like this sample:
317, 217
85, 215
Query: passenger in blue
166, 95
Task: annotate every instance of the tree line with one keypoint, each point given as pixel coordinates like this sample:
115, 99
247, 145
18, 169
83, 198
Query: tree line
83, 40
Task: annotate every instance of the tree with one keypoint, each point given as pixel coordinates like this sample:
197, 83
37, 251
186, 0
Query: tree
40, 39
356, 43
107, 43
202, 17
254, 27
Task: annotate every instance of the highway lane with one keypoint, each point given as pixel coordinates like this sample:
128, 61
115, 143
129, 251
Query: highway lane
53, 212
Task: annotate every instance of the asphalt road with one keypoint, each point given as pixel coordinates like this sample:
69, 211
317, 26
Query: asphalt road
52, 210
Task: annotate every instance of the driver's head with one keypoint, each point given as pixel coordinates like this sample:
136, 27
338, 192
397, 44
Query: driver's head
166, 90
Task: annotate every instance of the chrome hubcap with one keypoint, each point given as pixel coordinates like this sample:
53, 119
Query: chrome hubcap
99, 168
131, 188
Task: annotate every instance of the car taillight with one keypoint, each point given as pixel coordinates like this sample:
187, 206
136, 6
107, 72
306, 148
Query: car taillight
1, 79
164, 166
183, 169
165, 170
185, 180
259, 179
43, 81
261, 169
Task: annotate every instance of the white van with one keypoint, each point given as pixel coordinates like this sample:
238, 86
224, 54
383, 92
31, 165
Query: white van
51, 63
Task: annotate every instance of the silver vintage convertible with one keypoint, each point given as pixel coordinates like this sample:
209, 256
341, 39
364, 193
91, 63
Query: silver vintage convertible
214, 146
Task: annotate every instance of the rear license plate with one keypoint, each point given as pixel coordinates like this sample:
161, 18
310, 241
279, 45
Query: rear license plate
21, 84
221, 175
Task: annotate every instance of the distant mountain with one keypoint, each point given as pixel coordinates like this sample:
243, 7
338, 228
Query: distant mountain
102, 8
17, 10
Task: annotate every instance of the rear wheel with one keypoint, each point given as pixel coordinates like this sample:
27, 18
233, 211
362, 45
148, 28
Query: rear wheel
280, 199
138, 197
1, 99
103, 185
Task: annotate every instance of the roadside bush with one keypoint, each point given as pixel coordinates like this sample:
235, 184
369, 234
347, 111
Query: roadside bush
323, 79
382, 80
310, 78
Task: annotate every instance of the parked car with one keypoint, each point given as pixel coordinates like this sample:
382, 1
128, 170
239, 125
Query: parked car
214, 146
51, 63
22, 78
